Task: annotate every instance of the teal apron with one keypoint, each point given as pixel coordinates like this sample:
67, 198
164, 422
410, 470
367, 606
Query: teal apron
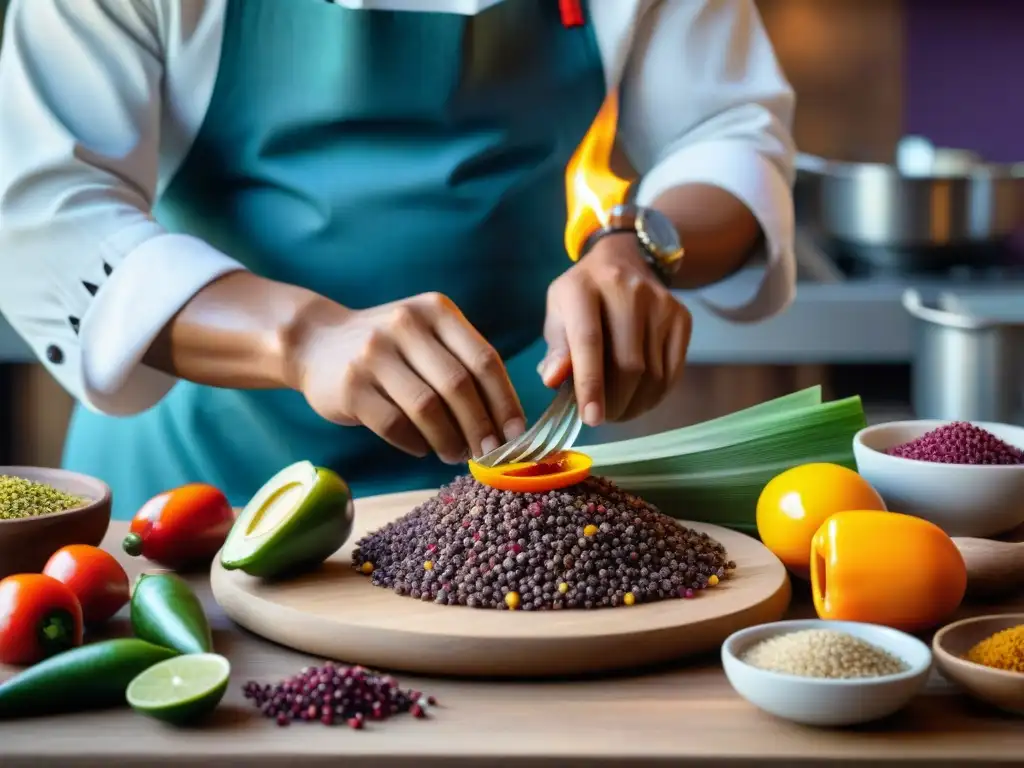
369, 156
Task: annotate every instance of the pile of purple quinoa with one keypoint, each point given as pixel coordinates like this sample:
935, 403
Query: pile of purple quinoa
336, 695
591, 545
959, 443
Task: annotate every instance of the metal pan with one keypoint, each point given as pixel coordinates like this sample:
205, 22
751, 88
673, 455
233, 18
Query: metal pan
933, 211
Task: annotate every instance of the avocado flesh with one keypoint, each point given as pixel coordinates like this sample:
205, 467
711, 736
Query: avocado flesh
299, 518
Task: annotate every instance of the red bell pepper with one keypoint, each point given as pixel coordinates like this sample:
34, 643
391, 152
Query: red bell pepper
181, 528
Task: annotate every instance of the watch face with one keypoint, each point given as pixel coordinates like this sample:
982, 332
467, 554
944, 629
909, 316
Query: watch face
660, 232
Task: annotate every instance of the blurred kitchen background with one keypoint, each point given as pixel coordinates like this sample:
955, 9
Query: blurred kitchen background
867, 73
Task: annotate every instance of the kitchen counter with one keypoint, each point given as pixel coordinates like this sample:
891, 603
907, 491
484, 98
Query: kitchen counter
682, 715
845, 322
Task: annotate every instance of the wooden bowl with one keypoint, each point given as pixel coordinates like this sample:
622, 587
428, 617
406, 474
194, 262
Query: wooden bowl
27, 543
997, 687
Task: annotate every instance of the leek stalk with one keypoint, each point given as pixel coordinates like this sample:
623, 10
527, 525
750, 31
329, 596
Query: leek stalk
714, 471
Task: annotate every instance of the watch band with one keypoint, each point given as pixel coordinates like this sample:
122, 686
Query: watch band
662, 257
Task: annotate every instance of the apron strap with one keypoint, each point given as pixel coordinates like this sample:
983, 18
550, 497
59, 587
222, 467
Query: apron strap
572, 12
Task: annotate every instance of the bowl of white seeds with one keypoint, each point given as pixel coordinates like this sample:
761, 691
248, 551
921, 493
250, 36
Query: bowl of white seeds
826, 673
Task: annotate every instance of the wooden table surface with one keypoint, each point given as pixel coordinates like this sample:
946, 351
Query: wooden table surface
683, 715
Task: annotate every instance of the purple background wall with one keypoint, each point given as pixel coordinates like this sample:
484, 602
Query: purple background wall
964, 75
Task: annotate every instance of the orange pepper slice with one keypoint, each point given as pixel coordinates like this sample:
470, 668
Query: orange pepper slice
559, 470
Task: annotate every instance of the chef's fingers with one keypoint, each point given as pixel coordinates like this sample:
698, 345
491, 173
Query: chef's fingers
654, 384
378, 413
447, 376
575, 322
423, 405
676, 345
578, 315
488, 372
555, 366
628, 302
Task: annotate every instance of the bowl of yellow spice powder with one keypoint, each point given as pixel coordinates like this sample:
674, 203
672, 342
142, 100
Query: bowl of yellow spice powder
984, 655
42, 510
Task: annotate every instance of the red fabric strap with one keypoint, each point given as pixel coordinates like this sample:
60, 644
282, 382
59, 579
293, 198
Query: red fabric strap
572, 12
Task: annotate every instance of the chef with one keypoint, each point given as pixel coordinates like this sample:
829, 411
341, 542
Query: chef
247, 232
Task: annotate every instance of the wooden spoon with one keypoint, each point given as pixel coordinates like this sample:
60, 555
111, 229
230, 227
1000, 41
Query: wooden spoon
992, 566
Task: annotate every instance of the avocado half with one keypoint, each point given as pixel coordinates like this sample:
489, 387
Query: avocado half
299, 518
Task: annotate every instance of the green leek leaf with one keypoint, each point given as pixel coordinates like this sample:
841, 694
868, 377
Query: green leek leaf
714, 471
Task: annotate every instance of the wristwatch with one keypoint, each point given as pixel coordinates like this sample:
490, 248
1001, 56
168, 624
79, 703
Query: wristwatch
656, 236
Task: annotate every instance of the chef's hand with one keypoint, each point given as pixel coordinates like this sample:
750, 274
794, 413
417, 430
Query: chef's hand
617, 330
415, 372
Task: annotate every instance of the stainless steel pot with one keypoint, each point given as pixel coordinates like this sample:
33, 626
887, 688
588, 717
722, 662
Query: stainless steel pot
965, 367
935, 210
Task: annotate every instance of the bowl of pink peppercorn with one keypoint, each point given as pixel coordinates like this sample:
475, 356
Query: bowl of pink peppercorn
966, 477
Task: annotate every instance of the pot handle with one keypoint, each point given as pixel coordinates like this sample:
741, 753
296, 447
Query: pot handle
811, 163
913, 303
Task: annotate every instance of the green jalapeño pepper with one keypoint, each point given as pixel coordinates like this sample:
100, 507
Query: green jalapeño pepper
165, 611
93, 676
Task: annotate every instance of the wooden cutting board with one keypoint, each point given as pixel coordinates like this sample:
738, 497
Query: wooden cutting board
335, 613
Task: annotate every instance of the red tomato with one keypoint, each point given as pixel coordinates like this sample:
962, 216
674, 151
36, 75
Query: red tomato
182, 527
39, 617
97, 579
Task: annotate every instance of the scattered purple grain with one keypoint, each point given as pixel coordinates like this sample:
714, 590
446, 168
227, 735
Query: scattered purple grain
335, 694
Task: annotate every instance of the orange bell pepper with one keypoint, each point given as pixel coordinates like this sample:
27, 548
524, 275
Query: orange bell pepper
559, 470
885, 568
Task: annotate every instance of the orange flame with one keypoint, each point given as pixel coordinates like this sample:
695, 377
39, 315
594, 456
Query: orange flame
591, 189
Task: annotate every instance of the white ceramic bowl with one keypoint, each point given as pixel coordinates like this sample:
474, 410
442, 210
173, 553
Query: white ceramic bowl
821, 701
962, 499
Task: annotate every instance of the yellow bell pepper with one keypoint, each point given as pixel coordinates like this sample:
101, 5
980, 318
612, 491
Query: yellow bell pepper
885, 568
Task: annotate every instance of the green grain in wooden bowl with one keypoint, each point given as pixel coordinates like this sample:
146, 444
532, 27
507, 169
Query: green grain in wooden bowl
21, 497
43, 509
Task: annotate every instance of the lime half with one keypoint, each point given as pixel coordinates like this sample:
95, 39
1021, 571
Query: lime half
181, 690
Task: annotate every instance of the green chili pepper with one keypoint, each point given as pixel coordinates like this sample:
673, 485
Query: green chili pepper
93, 676
165, 611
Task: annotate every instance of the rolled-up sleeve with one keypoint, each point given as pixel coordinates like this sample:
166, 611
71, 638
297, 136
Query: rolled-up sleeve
705, 101
87, 276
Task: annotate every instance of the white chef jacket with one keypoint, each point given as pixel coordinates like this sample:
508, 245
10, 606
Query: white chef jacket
100, 101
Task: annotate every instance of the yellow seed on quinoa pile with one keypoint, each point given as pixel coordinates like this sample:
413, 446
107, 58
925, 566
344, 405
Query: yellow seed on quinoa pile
20, 498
